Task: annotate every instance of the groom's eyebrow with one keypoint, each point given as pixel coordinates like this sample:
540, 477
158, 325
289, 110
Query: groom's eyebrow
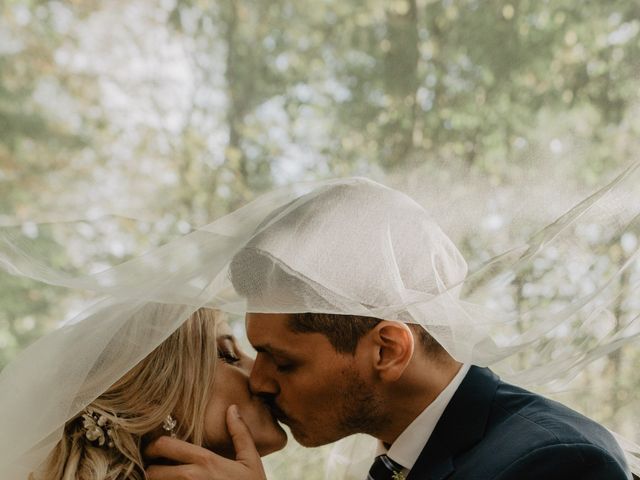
270, 349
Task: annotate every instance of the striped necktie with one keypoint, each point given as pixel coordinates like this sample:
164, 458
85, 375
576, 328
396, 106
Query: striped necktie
385, 469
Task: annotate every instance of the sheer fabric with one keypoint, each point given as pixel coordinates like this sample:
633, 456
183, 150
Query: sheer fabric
347, 246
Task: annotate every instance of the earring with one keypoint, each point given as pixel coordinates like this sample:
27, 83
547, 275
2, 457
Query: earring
169, 426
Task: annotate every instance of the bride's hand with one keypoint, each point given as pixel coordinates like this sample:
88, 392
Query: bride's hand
197, 463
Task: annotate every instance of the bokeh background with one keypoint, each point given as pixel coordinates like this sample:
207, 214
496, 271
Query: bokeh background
145, 119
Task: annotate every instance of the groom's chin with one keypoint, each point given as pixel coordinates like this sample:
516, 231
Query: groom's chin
311, 441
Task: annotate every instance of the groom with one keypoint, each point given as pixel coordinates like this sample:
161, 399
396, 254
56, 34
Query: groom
330, 375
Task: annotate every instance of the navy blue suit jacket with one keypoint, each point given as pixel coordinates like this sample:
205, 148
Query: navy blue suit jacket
495, 431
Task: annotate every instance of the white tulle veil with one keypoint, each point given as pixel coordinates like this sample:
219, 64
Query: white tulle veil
347, 246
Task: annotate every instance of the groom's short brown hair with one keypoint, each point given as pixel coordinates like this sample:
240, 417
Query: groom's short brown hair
248, 270
345, 331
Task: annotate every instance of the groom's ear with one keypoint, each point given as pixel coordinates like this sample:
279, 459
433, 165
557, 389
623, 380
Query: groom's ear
393, 349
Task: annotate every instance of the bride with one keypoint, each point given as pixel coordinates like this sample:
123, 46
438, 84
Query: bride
182, 389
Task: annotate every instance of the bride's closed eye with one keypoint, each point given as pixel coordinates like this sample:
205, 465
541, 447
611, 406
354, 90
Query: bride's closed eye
227, 351
227, 356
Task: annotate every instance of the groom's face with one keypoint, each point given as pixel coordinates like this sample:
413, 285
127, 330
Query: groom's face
321, 394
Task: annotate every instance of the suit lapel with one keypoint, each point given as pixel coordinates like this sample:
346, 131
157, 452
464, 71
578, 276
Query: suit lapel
461, 426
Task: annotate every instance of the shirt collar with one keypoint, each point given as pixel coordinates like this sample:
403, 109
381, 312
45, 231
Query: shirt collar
407, 447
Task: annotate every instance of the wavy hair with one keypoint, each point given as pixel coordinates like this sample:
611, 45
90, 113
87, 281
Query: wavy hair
175, 379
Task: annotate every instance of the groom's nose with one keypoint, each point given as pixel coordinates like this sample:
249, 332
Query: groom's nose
261, 382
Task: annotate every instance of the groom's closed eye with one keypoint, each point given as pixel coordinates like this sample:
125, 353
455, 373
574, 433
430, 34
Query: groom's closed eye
283, 366
282, 361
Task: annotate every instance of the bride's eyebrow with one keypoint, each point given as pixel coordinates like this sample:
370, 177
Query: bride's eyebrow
227, 338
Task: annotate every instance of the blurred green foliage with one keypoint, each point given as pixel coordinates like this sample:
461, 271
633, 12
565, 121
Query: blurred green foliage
178, 111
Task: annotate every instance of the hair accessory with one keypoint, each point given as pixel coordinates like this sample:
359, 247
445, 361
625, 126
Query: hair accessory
169, 425
98, 429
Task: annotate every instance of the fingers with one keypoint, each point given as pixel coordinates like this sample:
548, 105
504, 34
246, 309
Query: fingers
201, 464
176, 450
246, 451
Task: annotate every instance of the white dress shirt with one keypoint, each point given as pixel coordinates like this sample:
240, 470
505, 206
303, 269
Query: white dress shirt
408, 446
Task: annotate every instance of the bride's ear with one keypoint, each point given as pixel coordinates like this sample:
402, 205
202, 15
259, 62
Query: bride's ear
393, 349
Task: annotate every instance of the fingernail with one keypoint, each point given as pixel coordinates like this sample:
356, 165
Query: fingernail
234, 411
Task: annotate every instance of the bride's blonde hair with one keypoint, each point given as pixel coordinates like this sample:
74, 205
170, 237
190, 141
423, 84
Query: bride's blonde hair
175, 379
